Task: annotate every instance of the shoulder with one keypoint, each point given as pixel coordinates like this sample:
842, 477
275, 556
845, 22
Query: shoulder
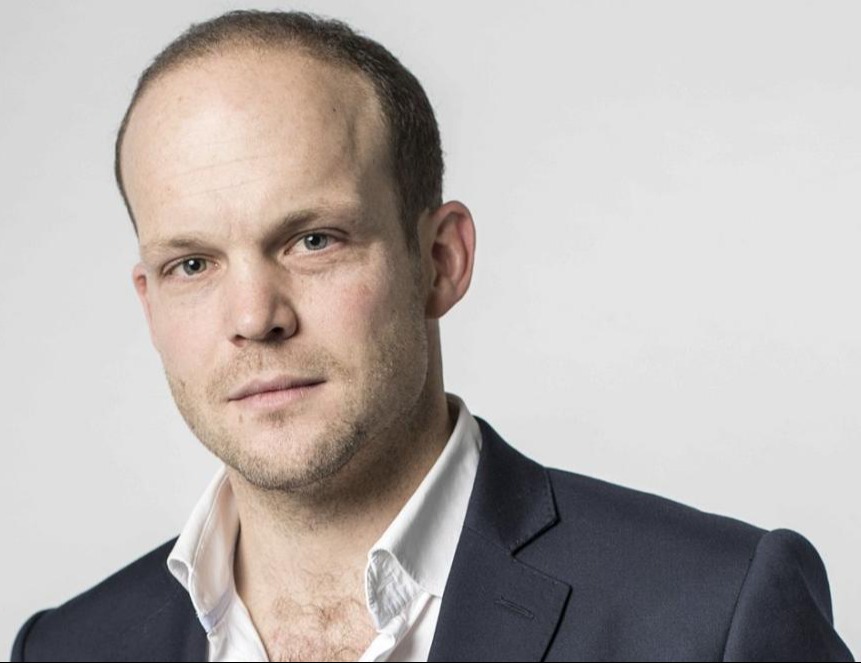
105, 613
643, 560
643, 545
651, 578
583, 517
623, 551
603, 511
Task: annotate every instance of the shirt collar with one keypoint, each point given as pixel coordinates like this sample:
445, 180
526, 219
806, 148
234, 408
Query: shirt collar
202, 557
424, 535
419, 543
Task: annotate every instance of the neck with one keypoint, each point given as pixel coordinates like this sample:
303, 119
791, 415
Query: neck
314, 544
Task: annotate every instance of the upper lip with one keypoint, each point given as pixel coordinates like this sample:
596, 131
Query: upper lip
258, 385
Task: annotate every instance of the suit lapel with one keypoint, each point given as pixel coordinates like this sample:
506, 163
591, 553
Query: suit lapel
495, 607
184, 638
170, 632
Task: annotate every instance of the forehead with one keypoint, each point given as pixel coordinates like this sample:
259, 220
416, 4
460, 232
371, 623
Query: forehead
236, 130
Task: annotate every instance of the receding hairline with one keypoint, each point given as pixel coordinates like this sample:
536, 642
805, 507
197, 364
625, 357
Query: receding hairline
237, 47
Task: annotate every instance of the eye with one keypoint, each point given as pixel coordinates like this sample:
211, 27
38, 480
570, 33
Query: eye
313, 242
316, 241
190, 266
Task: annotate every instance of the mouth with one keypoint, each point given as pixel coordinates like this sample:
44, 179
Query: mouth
277, 383
274, 397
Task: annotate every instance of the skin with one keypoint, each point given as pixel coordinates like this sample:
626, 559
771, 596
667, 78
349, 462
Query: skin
224, 148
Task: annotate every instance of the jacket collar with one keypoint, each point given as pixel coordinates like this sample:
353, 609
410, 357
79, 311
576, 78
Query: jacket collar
495, 607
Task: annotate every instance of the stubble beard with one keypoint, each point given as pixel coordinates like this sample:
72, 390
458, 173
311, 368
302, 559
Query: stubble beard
378, 413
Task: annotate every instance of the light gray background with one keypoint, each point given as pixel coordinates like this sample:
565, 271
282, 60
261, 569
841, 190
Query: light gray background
666, 285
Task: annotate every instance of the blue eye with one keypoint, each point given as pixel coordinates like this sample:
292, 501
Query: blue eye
193, 261
189, 262
318, 245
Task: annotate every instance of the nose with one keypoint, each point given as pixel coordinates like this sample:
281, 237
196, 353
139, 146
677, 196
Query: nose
259, 307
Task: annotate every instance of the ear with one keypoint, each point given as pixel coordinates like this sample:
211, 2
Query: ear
140, 282
448, 250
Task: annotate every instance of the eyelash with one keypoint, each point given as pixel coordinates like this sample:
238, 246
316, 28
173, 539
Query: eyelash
168, 273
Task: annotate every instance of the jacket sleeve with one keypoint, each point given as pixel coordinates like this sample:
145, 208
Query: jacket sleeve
783, 612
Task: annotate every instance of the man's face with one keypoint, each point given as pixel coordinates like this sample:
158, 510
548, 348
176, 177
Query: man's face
224, 150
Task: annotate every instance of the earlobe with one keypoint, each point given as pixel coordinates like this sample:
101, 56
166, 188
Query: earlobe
452, 254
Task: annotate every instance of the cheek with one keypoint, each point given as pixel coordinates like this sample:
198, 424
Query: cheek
183, 336
359, 316
355, 311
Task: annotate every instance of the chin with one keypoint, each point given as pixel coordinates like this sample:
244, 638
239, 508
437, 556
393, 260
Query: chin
293, 463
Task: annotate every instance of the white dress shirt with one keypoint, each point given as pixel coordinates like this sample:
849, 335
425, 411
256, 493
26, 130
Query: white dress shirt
405, 574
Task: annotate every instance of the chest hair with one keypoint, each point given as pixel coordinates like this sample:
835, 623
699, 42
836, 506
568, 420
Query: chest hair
339, 630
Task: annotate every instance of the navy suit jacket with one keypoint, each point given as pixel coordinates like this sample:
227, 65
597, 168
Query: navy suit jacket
550, 565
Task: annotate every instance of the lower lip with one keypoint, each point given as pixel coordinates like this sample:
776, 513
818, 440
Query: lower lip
269, 400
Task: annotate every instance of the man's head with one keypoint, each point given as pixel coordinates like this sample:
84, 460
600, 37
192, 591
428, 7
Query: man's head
265, 181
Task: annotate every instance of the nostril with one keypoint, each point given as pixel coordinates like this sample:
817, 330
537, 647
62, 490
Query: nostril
278, 332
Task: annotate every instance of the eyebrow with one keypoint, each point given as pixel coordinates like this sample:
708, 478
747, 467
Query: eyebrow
156, 248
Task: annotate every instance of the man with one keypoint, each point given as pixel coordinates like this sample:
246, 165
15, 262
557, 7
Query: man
284, 178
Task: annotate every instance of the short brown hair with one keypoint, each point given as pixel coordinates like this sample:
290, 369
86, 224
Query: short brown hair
416, 154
